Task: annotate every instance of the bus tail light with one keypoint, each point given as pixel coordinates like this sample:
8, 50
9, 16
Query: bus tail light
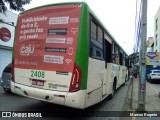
12, 71
76, 79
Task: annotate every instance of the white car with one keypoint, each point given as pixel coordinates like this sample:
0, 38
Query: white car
154, 75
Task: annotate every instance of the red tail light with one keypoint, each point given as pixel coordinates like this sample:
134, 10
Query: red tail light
12, 71
76, 79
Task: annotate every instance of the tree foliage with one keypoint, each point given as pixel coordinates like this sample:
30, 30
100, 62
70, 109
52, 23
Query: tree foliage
16, 5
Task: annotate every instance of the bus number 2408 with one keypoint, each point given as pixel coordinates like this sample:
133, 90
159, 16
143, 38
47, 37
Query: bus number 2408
39, 74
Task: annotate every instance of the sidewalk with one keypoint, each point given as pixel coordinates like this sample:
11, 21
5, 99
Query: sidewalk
152, 102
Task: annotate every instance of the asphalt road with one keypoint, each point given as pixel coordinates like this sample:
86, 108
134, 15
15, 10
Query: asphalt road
12, 102
155, 86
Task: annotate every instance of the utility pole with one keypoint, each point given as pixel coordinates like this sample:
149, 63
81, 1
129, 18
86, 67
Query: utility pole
142, 59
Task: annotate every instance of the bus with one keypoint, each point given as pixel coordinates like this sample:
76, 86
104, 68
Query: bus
64, 55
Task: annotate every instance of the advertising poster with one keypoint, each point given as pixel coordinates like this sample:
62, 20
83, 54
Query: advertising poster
153, 58
7, 28
46, 38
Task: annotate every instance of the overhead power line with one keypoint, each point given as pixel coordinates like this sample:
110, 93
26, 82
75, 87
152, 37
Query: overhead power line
137, 36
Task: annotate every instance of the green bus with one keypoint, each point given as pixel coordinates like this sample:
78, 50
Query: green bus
64, 55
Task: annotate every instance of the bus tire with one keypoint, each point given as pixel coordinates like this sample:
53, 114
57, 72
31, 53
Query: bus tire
113, 90
8, 91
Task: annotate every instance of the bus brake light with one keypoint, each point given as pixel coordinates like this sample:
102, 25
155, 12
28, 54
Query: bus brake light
76, 79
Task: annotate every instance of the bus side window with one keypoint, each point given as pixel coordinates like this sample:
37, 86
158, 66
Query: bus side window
96, 42
113, 53
117, 55
124, 59
108, 51
121, 58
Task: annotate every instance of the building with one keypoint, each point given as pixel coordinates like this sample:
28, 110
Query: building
7, 29
157, 31
134, 59
150, 44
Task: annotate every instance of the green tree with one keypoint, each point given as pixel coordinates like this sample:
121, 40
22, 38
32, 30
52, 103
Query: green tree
16, 5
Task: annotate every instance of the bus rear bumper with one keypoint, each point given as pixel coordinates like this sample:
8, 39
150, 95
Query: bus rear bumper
75, 99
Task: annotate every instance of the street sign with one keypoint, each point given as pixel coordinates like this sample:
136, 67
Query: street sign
153, 58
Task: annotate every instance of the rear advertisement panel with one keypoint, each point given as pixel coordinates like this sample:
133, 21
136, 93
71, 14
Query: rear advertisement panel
46, 38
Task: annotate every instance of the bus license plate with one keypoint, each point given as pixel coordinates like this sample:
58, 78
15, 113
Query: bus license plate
38, 82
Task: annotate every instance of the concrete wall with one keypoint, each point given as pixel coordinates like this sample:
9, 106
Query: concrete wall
5, 59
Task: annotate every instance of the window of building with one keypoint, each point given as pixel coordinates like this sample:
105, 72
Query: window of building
156, 40
156, 24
